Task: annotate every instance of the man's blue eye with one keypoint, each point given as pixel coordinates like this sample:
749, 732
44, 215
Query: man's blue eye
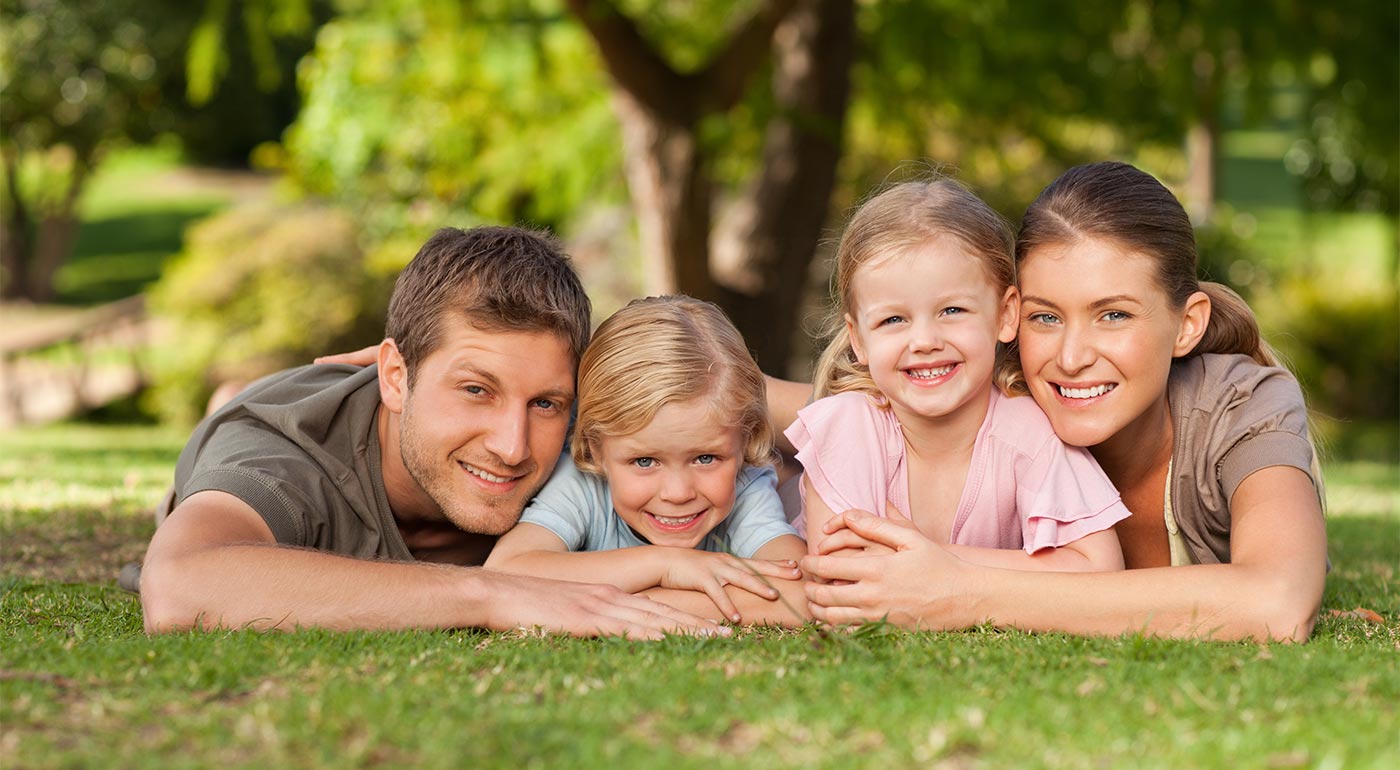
475, 390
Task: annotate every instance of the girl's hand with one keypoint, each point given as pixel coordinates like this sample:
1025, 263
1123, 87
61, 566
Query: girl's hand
915, 584
711, 572
361, 357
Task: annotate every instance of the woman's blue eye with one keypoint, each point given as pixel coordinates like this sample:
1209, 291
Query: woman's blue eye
1116, 315
706, 459
644, 462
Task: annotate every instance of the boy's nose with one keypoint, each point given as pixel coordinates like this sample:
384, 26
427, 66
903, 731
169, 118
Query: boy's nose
676, 488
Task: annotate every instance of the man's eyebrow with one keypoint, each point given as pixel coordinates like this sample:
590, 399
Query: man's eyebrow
464, 368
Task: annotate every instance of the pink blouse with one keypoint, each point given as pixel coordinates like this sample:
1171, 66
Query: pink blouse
1025, 488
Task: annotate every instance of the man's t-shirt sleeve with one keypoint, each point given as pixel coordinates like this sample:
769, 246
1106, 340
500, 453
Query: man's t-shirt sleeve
271, 474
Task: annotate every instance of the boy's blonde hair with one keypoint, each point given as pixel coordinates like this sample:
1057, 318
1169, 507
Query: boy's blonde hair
893, 222
663, 350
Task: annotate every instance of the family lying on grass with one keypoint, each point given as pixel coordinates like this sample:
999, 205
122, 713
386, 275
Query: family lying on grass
1160, 435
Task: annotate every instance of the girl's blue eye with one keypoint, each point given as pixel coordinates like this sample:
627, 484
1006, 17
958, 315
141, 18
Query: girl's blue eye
706, 459
894, 319
644, 462
953, 310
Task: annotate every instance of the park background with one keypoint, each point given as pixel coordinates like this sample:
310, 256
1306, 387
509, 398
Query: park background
256, 172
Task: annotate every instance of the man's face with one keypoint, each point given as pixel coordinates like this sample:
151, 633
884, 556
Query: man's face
485, 420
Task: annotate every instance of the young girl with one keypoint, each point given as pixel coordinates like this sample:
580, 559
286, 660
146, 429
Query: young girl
669, 473
911, 424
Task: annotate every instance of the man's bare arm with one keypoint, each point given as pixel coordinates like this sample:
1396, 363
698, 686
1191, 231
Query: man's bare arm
214, 563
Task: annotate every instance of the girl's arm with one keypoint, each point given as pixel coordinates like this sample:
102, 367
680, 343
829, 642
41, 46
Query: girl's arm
1271, 590
529, 549
1095, 552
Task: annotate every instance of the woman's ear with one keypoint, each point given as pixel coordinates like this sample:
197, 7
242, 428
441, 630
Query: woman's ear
393, 376
1194, 321
1010, 315
855, 340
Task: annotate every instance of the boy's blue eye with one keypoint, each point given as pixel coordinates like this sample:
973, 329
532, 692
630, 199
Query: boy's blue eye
706, 459
644, 462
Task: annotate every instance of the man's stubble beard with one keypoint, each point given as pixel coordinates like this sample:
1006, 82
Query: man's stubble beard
485, 515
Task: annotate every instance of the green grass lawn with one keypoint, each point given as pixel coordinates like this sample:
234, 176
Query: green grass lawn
82, 686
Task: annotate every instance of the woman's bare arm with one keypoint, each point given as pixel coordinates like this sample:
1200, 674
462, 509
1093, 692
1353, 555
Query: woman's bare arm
1271, 590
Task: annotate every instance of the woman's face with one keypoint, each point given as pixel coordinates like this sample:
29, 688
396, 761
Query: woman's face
1097, 338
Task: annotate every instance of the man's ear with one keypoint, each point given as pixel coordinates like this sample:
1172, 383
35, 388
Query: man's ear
1194, 320
855, 340
1010, 315
393, 376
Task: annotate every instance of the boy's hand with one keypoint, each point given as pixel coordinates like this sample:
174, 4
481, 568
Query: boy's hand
711, 572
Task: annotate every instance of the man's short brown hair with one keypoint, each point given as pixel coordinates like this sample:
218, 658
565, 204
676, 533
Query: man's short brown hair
498, 278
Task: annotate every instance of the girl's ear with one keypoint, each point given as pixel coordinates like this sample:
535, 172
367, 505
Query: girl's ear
1194, 320
393, 376
1010, 315
855, 340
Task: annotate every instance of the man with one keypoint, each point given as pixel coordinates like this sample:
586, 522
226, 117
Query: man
341, 497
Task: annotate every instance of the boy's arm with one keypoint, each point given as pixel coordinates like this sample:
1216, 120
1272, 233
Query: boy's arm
530, 549
788, 608
215, 563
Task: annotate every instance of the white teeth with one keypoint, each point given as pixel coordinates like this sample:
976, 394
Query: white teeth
491, 477
673, 521
928, 374
1097, 390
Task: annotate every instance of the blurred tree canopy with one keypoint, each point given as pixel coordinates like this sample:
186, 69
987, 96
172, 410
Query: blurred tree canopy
79, 75
739, 128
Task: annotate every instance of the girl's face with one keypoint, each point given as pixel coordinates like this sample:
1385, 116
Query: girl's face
926, 322
673, 480
1097, 338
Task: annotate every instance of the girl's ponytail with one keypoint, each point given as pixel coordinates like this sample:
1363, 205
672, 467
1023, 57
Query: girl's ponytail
1233, 327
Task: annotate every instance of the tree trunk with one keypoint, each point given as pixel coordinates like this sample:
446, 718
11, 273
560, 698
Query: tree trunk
14, 242
54, 243
1202, 142
779, 222
671, 194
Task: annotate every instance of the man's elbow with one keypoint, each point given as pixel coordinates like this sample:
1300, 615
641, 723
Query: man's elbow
163, 604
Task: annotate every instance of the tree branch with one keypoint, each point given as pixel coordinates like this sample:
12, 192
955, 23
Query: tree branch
631, 61
724, 79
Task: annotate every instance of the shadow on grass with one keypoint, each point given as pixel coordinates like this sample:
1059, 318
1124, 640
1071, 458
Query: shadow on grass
118, 256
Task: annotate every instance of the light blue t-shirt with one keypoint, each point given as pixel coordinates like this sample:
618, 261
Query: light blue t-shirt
576, 506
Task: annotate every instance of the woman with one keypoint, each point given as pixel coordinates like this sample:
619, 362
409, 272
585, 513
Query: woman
1167, 383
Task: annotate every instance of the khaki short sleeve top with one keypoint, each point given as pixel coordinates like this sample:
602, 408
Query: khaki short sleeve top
1231, 417
301, 447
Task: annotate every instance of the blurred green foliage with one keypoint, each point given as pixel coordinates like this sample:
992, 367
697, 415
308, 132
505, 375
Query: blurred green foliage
260, 289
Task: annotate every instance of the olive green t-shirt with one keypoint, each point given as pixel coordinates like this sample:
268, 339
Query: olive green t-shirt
302, 449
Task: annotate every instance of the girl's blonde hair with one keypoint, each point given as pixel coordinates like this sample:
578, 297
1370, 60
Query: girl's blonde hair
663, 350
893, 222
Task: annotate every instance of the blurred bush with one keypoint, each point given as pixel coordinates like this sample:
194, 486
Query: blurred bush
1345, 348
257, 290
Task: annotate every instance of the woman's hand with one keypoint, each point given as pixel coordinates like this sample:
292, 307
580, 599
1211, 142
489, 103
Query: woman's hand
710, 572
361, 357
914, 582
841, 539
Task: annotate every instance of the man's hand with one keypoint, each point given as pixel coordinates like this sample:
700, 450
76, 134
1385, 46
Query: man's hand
710, 572
585, 609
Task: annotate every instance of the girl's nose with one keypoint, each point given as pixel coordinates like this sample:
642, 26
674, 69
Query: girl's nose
925, 335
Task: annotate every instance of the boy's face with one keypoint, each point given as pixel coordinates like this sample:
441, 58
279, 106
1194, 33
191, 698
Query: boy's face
673, 480
483, 425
